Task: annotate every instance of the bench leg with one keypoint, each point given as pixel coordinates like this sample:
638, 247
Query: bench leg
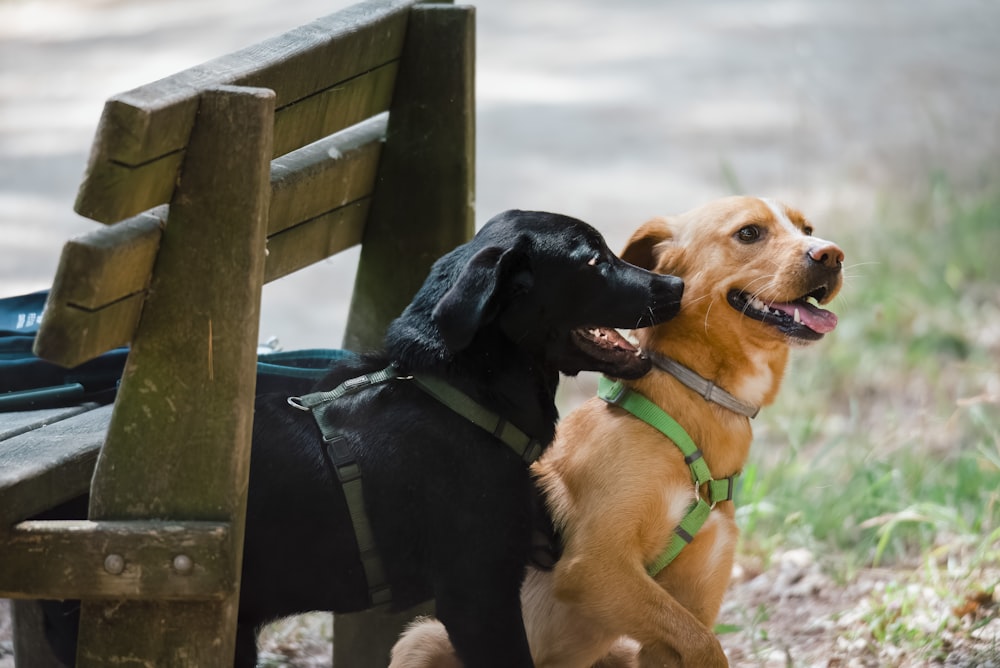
31, 649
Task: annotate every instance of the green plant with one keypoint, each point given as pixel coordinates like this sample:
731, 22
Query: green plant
884, 443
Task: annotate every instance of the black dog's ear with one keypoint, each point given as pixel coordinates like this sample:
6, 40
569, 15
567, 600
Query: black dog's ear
476, 297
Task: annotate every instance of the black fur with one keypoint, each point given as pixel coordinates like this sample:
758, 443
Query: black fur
449, 504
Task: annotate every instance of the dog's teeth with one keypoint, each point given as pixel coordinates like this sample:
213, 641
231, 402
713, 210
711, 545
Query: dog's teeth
796, 317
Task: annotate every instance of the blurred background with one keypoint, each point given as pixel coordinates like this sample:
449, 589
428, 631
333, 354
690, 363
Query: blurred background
611, 112
876, 476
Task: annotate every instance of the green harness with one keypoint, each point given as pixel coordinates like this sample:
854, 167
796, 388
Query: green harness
338, 454
617, 394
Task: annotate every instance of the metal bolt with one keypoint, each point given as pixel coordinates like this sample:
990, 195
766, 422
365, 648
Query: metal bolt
114, 564
183, 564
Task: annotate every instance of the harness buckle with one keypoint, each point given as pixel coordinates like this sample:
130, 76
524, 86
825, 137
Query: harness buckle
613, 392
296, 402
352, 385
711, 497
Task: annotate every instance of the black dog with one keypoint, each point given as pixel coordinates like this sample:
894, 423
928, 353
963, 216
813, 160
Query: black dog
450, 505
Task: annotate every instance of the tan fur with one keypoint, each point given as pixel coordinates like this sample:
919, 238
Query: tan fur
617, 488
424, 644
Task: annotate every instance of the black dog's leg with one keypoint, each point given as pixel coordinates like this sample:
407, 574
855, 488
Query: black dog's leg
246, 646
483, 617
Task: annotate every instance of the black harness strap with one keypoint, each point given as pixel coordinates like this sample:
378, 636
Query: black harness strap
340, 458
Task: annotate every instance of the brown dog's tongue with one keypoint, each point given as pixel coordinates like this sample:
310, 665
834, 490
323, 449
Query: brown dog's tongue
813, 317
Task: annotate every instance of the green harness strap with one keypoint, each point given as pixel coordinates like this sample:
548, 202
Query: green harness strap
338, 453
617, 394
339, 456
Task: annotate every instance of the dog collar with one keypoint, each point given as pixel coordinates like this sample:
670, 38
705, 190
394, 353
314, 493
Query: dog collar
617, 394
706, 388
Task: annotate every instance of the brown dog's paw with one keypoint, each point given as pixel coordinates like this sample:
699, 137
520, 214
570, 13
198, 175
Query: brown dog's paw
424, 644
623, 654
707, 654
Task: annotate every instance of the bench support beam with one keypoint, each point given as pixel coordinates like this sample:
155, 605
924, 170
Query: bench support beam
187, 390
111, 560
425, 190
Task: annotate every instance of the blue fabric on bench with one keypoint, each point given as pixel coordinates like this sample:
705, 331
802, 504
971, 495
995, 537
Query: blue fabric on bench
28, 382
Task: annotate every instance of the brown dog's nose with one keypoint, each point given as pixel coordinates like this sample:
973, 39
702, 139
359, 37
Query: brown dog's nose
829, 255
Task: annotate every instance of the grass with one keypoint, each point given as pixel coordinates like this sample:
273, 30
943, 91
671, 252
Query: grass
884, 446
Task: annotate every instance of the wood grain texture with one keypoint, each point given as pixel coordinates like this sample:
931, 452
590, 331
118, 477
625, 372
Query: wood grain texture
178, 446
326, 75
425, 188
320, 197
69, 559
44, 467
325, 175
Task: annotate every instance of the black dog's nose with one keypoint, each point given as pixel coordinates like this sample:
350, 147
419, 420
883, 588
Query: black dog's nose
666, 292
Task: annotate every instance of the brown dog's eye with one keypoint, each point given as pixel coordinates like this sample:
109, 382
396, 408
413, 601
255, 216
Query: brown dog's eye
748, 234
808, 231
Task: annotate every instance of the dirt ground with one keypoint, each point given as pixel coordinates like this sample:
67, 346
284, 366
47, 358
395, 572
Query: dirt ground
611, 112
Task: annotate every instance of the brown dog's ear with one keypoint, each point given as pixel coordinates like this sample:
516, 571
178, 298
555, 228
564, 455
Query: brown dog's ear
645, 246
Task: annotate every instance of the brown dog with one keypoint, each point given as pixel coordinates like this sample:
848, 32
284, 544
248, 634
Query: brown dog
618, 489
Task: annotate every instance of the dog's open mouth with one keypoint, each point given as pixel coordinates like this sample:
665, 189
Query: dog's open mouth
609, 352
799, 319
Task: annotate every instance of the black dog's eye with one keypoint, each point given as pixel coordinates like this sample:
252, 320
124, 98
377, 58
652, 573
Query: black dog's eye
596, 260
748, 234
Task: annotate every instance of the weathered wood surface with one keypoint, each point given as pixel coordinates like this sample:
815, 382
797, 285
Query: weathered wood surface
186, 395
326, 174
16, 423
167, 561
43, 466
327, 75
187, 390
423, 207
319, 205
425, 190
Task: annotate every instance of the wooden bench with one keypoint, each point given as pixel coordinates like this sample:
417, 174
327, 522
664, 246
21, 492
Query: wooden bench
357, 128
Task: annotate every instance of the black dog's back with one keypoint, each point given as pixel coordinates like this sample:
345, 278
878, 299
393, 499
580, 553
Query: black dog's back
449, 503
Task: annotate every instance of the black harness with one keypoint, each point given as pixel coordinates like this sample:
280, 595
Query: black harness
340, 458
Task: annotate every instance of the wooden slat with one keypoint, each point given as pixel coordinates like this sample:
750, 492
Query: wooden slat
70, 336
316, 239
319, 204
104, 265
340, 57
98, 290
325, 175
426, 173
70, 559
17, 423
112, 191
333, 109
44, 467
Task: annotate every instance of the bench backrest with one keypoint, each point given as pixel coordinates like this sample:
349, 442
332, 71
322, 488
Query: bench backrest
212, 182
332, 81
